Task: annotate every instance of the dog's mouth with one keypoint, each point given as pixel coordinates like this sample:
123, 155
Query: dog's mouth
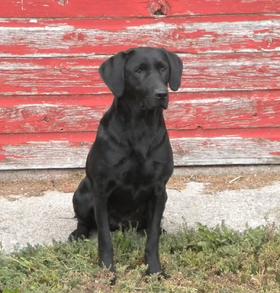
164, 104
150, 104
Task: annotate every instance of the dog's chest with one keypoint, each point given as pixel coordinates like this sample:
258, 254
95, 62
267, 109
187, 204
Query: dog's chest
138, 170
142, 165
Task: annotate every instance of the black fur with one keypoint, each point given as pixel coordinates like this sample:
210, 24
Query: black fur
131, 160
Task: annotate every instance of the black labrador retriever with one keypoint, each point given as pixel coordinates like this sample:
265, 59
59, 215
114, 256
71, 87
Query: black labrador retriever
131, 160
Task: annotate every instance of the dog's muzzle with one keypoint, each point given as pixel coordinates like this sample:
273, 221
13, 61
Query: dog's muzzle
162, 97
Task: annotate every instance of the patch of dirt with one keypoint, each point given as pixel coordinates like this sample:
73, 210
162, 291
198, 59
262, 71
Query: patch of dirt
33, 187
69, 183
217, 183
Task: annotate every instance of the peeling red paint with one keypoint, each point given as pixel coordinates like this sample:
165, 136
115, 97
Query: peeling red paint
99, 36
74, 76
124, 8
2, 157
32, 114
79, 137
75, 36
52, 97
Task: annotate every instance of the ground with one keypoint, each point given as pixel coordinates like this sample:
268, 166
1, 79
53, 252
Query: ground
36, 206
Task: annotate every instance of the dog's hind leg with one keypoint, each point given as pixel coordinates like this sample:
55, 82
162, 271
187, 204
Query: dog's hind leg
84, 210
81, 232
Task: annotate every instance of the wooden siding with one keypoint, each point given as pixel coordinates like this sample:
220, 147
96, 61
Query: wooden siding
86, 37
52, 98
134, 8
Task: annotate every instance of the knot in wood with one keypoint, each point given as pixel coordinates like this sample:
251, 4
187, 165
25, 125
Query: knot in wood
63, 2
159, 7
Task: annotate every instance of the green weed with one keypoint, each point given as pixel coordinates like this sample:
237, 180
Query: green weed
201, 260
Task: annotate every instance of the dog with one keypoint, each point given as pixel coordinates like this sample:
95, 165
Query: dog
131, 159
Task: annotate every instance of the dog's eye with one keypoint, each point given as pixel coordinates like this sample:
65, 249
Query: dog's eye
139, 70
162, 69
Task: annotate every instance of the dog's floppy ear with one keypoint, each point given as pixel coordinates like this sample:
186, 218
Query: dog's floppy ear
112, 72
175, 70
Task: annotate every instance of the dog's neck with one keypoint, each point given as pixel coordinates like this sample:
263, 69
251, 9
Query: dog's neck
140, 130
132, 115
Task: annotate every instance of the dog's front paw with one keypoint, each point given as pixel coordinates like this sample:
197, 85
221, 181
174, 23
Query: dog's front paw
160, 276
160, 273
77, 235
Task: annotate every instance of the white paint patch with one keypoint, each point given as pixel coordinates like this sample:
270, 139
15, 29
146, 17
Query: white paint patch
160, 26
63, 2
24, 106
209, 101
19, 66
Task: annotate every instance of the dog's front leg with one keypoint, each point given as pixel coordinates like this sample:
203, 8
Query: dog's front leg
105, 247
157, 206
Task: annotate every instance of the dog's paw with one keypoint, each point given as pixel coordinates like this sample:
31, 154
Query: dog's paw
113, 279
72, 237
108, 276
76, 235
163, 275
159, 274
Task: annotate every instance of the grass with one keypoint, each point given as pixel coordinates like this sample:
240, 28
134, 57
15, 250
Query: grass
201, 260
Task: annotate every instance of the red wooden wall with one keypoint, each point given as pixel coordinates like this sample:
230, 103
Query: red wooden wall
51, 96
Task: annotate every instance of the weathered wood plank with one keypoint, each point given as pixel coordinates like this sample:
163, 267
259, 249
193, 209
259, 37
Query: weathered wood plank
207, 148
222, 34
225, 151
28, 114
207, 72
214, 110
123, 8
224, 110
51, 76
61, 98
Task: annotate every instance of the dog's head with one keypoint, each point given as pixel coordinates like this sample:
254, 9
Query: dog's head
143, 74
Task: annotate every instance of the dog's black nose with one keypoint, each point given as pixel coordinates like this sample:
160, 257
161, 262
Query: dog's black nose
161, 94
